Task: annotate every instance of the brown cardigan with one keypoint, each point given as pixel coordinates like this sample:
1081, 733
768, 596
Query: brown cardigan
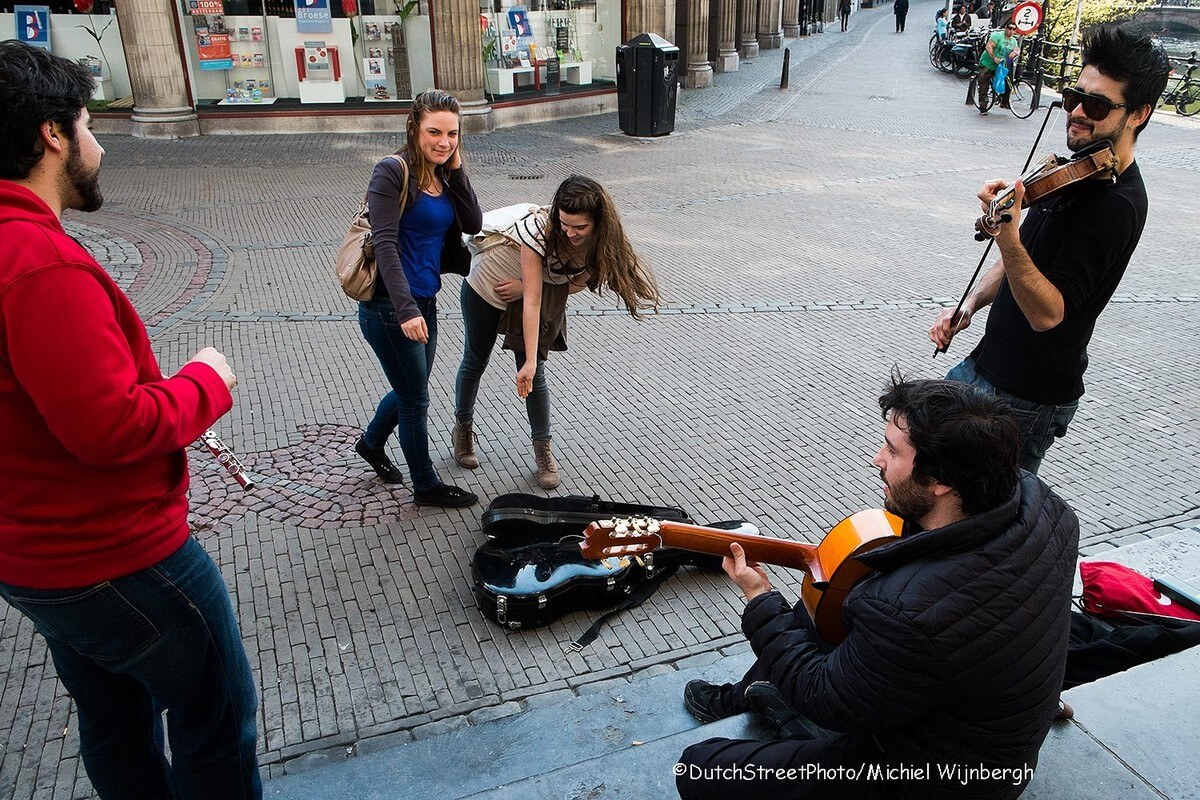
552, 334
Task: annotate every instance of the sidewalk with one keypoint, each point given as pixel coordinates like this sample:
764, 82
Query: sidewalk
803, 238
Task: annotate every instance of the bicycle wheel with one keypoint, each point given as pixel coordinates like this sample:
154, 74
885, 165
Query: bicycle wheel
966, 65
1020, 99
945, 59
1187, 100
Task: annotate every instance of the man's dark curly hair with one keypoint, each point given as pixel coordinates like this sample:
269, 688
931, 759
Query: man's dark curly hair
35, 87
1135, 59
964, 438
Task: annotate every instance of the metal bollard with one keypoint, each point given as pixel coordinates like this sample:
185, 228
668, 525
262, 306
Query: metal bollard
787, 59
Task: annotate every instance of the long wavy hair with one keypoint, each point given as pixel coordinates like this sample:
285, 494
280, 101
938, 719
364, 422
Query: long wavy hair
427, 102
610, 257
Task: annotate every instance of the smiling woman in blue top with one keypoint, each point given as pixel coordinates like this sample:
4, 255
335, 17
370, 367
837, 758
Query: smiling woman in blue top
412, 250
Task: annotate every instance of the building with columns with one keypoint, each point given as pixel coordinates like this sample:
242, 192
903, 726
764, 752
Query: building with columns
172, 68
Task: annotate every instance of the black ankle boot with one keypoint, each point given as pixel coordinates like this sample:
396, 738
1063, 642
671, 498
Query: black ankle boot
383, 466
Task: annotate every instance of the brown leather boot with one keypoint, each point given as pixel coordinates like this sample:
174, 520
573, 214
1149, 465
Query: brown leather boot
547, 467
463, 439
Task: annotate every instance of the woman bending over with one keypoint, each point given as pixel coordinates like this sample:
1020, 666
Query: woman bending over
520, 290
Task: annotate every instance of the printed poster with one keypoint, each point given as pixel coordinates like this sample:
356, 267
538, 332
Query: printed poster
212, 49
374, 72
33, 25
199, 8
313, 16
316, 62
518, 20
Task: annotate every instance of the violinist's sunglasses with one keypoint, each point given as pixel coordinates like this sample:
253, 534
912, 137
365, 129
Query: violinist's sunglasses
1095, 106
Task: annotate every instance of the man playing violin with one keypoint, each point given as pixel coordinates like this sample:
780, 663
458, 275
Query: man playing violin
1058, 269
948, 678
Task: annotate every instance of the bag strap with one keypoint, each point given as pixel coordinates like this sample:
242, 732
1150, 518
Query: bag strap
636, 597
362, 212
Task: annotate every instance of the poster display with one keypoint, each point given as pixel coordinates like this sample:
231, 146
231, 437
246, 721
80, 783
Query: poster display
212, 44
316, 62
313, 16
33, 25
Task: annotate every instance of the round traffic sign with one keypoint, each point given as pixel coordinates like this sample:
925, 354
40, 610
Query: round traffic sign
1027, 17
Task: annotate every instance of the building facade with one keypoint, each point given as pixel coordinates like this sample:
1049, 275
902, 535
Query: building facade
192, 66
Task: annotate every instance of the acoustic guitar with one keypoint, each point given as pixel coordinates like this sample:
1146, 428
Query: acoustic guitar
831, 568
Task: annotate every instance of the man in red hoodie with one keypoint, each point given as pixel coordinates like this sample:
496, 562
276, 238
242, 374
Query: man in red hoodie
94, 543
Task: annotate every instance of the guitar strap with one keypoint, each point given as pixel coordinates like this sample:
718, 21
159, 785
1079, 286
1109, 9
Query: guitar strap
636, 597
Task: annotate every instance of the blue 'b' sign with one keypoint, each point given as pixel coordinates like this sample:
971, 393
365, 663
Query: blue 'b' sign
33, 25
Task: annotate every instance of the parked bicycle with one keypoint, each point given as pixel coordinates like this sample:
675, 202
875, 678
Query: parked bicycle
958, 54
1185, 94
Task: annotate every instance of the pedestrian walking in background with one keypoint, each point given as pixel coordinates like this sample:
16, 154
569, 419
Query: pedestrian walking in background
940, 24
900, 9
520, 290
94, 542
844, 13
412, 250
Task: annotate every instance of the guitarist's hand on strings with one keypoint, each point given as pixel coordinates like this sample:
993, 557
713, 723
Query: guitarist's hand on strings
750, 577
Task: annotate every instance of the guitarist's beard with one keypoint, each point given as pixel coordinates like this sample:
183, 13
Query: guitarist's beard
907, 499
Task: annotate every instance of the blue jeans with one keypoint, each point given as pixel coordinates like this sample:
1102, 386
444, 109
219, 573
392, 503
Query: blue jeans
406, 364
126, 649
481, 323
1040, 423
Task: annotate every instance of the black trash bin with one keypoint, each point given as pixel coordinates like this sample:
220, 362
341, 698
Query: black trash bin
647, 81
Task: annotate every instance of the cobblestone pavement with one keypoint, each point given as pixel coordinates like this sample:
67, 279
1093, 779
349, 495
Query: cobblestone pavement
803, 239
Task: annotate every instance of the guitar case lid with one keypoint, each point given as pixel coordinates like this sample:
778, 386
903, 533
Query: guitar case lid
535, 518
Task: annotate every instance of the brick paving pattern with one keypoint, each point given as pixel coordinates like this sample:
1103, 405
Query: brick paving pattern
803, 240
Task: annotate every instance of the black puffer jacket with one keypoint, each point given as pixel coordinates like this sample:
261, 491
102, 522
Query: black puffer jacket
956, 647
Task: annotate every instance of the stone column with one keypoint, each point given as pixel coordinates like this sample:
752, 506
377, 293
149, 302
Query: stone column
650, 16
726, 24
458, 60
748, 28
770, 29
162, 107
791, 18
699, 71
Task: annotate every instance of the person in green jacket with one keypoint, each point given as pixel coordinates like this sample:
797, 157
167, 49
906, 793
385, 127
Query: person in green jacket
1001, 45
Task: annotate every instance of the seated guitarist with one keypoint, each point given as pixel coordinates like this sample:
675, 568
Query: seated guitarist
948, 679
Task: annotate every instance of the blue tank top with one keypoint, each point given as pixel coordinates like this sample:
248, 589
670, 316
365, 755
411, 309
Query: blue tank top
422, 233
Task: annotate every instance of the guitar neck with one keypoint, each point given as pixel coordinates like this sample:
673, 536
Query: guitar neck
764, 549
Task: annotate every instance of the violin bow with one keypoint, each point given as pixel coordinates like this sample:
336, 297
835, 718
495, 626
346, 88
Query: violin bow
992, 240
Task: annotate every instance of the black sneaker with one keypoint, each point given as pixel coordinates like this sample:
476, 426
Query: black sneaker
445, 496
383, 466
708, 702
785, 721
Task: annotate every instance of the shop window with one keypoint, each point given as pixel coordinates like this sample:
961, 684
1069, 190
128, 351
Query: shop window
548, 47
91, 37
260, 52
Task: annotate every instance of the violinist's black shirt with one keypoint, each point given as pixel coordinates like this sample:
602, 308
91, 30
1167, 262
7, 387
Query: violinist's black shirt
1082, 243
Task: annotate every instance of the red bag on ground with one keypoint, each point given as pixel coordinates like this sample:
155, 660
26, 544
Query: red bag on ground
1114, 590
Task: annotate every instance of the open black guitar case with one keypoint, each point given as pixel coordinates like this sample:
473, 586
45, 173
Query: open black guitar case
530, 571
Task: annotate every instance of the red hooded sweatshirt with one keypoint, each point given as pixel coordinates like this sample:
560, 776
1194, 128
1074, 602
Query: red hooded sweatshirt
93, 475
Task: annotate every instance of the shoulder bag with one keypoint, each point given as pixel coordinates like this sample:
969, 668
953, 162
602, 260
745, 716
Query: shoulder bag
355, 261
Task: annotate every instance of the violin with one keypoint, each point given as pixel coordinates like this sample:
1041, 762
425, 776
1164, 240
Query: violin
1047, 181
